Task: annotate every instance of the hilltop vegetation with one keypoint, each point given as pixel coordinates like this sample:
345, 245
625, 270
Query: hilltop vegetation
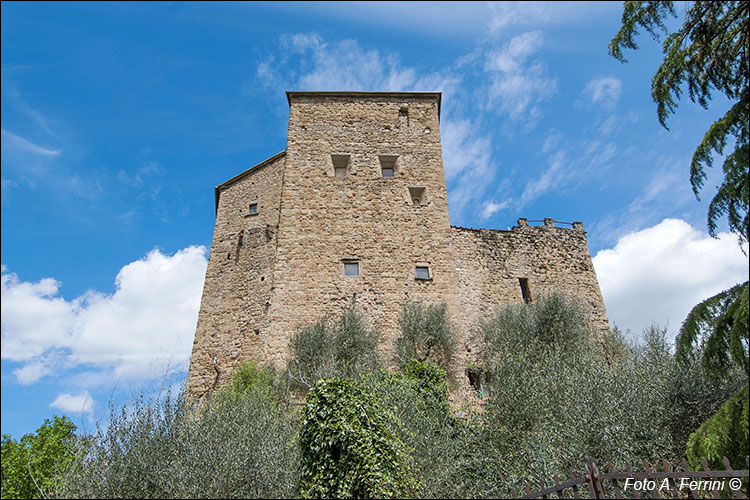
338, 424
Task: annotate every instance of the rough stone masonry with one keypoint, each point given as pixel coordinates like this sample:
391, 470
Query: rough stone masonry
356, 208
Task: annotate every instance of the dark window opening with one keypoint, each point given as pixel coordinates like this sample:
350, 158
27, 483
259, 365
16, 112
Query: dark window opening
417, 195
403, 116
351, 268
340, 165
475, 376
525, 290
422, 273
388, 165
253, 209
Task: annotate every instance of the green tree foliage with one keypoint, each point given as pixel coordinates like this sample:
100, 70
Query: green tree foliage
426, 334
348, 448
708, 53
557, 393
430, 381
443, 448
241, 444
720, 326
557, 396
725, 434
30, 467
248, 376
552, 322
326, 349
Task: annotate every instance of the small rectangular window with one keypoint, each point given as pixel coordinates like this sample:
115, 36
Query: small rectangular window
351, 268
253, 208
423, 272
525, 290
388, 165
340, 165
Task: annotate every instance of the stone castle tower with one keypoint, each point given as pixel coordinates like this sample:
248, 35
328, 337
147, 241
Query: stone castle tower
356, 207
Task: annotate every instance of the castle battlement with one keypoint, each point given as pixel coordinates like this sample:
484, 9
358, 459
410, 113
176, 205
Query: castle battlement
357, 206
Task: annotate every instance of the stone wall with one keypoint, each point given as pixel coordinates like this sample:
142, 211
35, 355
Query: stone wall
233, 320
283, 267
363, 216
491, 263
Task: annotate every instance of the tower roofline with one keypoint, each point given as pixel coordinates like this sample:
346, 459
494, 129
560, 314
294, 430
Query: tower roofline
217, 189
433, 95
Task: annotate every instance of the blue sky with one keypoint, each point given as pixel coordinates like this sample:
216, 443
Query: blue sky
118, 120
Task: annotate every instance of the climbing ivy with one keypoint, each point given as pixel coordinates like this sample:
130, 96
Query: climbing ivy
347, 447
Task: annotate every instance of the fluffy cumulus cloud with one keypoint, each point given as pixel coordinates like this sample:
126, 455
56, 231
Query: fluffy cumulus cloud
144, 329
659, 273
82, 403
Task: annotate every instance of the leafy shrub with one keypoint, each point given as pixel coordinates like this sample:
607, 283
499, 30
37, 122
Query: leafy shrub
443, 448
559, 395
241, 444
248, 376
31, 465
426, 334
323, 350
347, 446
725, 434
552, 322
430, 382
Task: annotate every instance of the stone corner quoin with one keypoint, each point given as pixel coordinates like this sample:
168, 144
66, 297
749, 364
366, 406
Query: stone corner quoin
356, 208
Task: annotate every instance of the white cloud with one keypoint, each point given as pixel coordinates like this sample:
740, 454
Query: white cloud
33, 319
14, 141
341, 65
467, 156
659, 273
490, 208
604, 91
554, 176
462, 147
517, 84
142, 330
81, 403
32, 372
506, 15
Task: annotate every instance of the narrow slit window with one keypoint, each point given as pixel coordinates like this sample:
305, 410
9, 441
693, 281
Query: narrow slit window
351, 268
253, 209
422, 272
525, 290
340, 165
403, 116
388, 165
